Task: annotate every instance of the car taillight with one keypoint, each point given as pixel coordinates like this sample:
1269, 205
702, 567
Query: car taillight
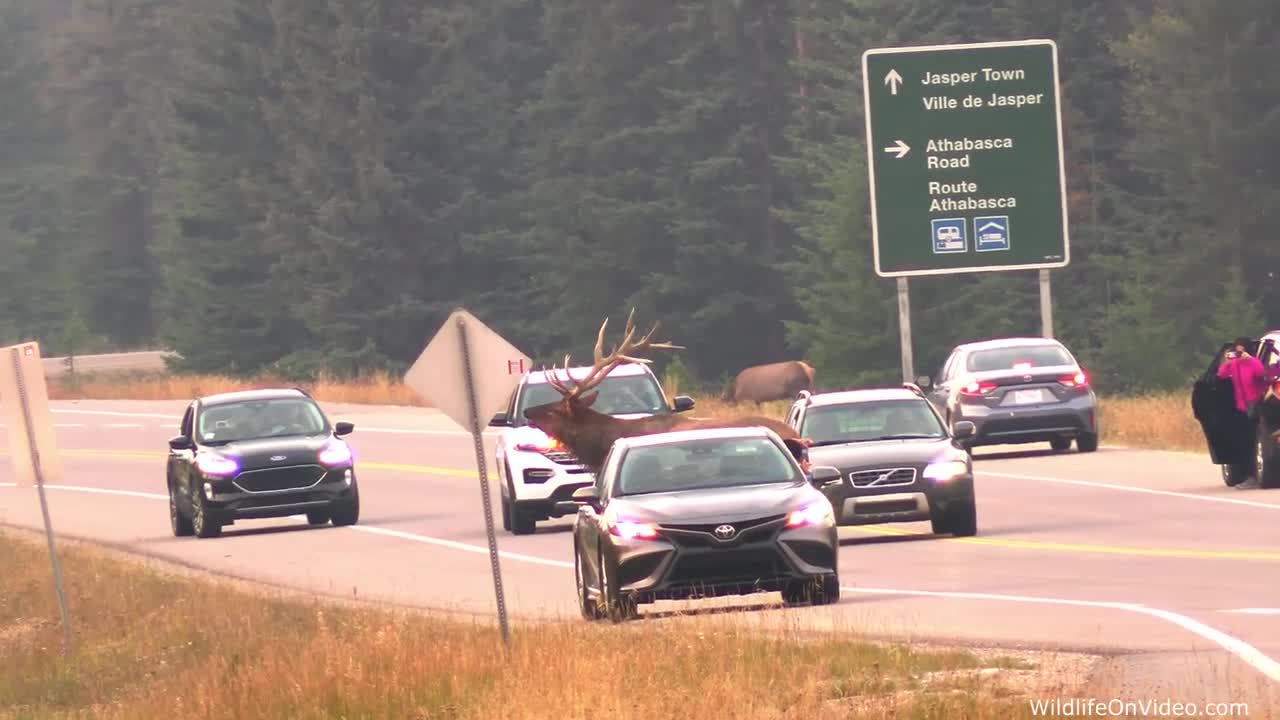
977, 389
1080, 379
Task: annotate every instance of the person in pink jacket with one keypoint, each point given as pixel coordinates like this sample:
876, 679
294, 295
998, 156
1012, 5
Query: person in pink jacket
1247, 375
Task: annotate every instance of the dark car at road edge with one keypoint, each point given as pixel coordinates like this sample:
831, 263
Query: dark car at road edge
265, 453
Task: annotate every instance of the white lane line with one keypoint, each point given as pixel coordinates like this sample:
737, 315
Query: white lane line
109, 491
123, 425
1235, 646
1133, 488
8, 484
1246, 652
68, 425
115, 413
1253, 611
459, 546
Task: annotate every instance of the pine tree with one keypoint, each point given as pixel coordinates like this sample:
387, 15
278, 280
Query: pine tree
33, 238
222, 312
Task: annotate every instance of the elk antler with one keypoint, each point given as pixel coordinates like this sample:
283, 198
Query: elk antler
626, 351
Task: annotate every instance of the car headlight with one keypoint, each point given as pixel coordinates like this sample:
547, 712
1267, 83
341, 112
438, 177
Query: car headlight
946, 470
335, 454
817, 513
217, 465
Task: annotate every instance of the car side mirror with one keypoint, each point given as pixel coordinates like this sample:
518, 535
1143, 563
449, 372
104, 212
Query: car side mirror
500, 420
924, 382
964, 430
682, 403
343, 428
585, 496
824, 475
180, 442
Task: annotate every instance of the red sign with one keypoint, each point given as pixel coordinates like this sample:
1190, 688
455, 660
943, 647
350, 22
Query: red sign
515, 365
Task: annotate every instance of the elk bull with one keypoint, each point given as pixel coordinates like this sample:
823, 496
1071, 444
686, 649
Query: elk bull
589, 434
775, 381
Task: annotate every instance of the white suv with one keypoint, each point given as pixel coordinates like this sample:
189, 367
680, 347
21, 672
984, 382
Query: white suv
534, 471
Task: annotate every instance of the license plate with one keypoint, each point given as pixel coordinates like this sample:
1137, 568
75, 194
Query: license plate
1026, 397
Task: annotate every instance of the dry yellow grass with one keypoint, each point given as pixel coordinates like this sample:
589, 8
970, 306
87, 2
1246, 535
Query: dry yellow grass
1161, 421
153, 646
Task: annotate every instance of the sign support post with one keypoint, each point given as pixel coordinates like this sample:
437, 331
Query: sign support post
478, 438
1046, 304
33, 447
904, 331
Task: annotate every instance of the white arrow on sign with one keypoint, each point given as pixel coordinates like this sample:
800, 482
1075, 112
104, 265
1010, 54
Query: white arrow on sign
900, 148
893, 80
439, 375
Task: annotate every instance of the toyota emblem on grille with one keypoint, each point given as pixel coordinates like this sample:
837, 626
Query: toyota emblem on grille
724, 532
277, 458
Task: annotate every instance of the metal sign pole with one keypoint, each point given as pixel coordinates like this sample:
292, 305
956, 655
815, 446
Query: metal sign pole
59, 586
904, 331
1046, 305
484, 482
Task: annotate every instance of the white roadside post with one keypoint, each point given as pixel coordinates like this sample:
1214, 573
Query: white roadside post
466, 371
24, 400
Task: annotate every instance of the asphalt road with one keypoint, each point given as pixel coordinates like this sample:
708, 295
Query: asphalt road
1145, 555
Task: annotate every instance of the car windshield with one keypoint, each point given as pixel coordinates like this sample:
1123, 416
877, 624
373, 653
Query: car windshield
251, 419
867, 421
702, 464
1026, 356
618, 396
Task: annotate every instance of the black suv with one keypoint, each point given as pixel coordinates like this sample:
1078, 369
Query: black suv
259, 454
898, 460
1243, 448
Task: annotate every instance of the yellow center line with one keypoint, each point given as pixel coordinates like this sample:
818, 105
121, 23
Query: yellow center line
1083, 548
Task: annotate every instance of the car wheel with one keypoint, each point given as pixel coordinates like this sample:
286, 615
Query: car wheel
521, 524
1060, 444
180, 523
317, 518
817, 591
506, 499
203, 524
964, 519
1088, 442
590, 610
617, 607
1233, 475
1264, 463
347, 513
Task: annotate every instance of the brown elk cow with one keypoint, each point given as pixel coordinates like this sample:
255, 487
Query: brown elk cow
588, 434
774, 381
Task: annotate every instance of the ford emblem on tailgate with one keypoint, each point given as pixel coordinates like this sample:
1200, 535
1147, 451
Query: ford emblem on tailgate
277, 458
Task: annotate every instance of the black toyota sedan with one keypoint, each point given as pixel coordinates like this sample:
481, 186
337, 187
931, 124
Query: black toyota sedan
702, 513
259, 454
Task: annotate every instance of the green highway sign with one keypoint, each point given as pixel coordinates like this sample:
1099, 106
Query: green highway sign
964, 149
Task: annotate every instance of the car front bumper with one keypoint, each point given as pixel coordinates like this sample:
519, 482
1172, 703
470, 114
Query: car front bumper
914, 502
691, 564
1034, 423
237, 498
